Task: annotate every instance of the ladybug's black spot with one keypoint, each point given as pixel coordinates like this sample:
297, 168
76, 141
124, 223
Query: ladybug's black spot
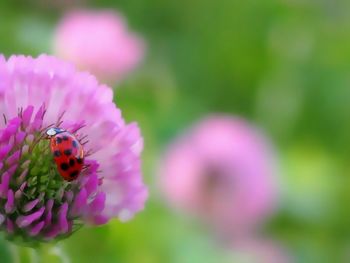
58, 140
74, 144
67, 152
64, 166
80, 160
71, 162
57, 153
65, 138
74, 174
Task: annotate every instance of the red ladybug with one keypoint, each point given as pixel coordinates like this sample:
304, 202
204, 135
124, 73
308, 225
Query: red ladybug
67, 151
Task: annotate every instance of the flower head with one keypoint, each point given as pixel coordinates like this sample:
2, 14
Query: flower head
98, 41
36, 203
222, 171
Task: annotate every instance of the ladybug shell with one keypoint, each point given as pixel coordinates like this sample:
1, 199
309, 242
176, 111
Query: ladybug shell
68, 155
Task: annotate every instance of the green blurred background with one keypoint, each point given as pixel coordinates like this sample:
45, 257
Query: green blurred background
282, 64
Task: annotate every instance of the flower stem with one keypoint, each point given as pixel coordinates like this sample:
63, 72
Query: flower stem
21, 254
52, 253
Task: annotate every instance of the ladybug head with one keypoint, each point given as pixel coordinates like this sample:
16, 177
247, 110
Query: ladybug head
53, 131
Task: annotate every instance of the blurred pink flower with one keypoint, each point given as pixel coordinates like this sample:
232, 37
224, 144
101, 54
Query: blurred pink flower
36, 203
99, 42
223, 171
261, 250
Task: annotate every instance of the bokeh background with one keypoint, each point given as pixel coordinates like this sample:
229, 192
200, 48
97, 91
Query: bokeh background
283, 65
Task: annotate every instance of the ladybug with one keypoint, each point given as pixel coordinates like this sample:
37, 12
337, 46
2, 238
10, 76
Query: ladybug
67, 151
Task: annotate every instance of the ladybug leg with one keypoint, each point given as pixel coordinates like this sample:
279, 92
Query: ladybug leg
82, 138
89, 152
86, 166
83, 143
